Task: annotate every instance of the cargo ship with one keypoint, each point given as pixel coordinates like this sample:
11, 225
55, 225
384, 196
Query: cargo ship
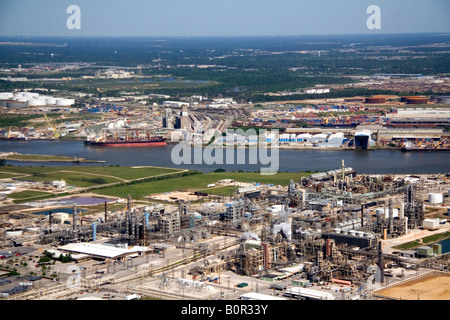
427, 148
124, 138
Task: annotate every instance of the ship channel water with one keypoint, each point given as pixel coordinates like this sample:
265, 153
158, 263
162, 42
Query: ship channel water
363, 161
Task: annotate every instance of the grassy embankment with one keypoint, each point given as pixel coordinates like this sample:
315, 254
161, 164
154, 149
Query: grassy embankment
423, 241
43, 158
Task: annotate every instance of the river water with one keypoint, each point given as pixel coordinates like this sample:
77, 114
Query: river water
445, 245
363, 161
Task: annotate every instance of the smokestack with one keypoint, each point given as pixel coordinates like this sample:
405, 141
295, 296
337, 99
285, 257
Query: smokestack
362, 215
50, 218
380, 262
74, 217
106, 211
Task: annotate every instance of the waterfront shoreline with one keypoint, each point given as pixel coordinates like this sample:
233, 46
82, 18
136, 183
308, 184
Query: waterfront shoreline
13, 156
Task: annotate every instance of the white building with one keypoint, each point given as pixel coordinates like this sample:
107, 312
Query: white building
59, 184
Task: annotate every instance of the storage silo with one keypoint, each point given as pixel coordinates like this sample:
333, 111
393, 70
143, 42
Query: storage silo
443, 100
50, 101
417, 100
375, 100
63, 102
6, 95
36, 102
94, 231
16, 104
405, 98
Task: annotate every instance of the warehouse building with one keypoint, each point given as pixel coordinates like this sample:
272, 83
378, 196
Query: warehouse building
99, 251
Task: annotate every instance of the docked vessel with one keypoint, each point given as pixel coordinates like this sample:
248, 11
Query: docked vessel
425, 148
124, 137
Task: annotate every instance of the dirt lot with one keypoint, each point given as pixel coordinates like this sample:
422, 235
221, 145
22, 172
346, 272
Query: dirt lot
174, 196
433, 286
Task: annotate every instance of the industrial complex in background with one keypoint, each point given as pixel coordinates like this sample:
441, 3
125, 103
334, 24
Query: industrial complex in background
409, 123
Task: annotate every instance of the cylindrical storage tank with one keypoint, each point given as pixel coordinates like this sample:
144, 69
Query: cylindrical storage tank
435, 198
64, 102
16, 104
443, 100
11, 233
374, 100
146, 215
19, 94
416, 100
6, 95
94, 231
30, 94
50, 101
20, 99
405, 98
36, 102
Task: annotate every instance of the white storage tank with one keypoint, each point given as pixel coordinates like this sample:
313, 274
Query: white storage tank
6, 95
50, 101
36, 102
384, 213
64, 102
11, 233
435, 198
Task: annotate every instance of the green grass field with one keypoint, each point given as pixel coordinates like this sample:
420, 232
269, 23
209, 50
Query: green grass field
84, 176
6, 175
161, 179
197, 182
28, 194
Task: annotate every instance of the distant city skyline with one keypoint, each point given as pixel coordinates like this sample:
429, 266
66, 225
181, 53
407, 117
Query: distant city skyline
220, 18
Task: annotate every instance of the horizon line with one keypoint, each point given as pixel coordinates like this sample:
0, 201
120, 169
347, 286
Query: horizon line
225, 36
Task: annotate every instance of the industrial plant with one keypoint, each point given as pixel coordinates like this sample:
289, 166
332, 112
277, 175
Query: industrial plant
330, 235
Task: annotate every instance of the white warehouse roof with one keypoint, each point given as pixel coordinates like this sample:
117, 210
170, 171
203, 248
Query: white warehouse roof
98, 250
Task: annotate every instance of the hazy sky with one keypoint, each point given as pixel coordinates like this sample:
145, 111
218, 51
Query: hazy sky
220, 17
